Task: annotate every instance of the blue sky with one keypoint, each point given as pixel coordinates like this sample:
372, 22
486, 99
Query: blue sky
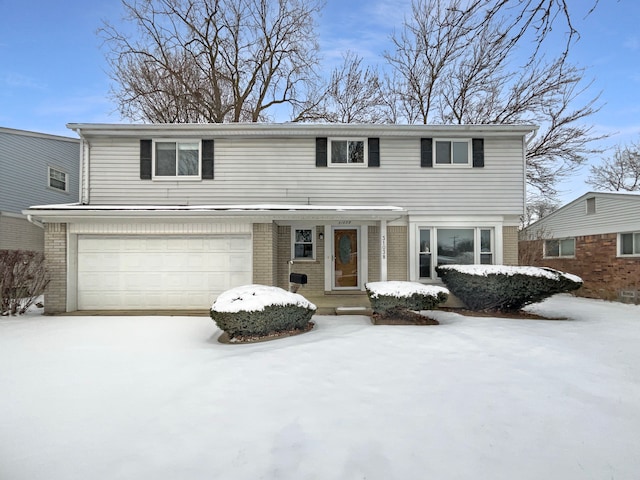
52, 67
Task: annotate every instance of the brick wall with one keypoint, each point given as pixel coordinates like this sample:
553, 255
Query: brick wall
397, 251
55, 254
19, 234
605, 275
264, 245
374, 254
313, 269
510, 245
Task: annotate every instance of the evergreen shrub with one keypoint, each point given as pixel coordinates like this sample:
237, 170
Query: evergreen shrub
258, 310
497, 287
393, 295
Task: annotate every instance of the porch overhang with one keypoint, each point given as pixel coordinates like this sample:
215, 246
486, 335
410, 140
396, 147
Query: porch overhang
76, 213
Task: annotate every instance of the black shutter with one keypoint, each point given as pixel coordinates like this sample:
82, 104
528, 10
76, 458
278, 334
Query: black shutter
207, 159
477, 145
426, 152
374, 152
321, 152
145, 159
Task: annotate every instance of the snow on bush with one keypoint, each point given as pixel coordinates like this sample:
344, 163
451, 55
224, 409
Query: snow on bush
508, 288
260, 310
386, 296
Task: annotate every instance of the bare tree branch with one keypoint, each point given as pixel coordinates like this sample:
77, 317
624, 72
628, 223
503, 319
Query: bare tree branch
620, 172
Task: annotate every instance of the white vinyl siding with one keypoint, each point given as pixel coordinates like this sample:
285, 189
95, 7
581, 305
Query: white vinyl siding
282, 170
614, 213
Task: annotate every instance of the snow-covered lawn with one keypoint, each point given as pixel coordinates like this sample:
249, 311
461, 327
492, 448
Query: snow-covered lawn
473, 398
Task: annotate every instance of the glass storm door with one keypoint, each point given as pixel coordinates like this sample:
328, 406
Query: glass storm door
345, 258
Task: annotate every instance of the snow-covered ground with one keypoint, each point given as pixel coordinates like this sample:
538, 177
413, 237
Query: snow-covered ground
473, 398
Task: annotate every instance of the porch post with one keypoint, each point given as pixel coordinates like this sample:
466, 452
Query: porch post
383, 250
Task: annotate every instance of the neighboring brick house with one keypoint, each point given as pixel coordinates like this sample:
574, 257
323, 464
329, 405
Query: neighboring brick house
596, 236
172, 215
36, 169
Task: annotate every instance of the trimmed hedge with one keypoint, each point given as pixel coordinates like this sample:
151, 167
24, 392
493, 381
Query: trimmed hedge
496, 287
258, 311
407, 295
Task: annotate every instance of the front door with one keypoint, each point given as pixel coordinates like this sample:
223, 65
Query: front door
345, 258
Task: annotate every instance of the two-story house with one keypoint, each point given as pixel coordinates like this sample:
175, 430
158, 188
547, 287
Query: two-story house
172, 215
35, 168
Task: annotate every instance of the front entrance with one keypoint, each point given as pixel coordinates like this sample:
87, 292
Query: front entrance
346, 261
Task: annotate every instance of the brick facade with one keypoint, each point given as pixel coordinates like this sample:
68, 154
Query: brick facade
605, 275
265, 245
397, 253
374, 254
55, 254
510, 245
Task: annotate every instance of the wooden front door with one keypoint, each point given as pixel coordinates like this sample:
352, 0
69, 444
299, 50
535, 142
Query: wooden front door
345, 254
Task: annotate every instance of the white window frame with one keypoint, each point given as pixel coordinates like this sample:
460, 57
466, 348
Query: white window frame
451, 164
293, 243
176, 177
365, 147
51, 170
559, 240
477, 246
635, 245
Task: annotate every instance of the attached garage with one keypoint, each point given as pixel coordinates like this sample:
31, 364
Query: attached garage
141, 272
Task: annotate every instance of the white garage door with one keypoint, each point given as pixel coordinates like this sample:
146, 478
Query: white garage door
159, 272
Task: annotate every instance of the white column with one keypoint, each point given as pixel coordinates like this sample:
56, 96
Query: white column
383, 250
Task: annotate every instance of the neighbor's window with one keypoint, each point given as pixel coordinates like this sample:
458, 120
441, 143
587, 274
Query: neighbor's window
57, 179
303, 244
629, 243
454, 246
560, 248
347, 151
452, 152
177, 159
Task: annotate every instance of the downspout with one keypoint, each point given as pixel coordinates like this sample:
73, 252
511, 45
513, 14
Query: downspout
83, 181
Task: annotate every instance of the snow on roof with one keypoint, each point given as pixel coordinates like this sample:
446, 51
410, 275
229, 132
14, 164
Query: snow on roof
254, 298
403, 289
484, 270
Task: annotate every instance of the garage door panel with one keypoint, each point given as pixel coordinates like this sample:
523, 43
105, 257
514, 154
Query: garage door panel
159, 272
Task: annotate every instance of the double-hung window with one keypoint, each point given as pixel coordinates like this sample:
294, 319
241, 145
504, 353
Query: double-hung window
303, 246
348, 151
560, 248
629, 243
453, 246
177, 159
57, 179
452, 152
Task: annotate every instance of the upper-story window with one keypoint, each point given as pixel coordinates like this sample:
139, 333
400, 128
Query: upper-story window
177, 158
452, 152
57, 179
629, 243
560, 248
348, 151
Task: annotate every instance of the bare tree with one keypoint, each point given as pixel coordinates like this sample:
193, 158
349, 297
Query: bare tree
212, 60
353, 94
463, 62
620, 172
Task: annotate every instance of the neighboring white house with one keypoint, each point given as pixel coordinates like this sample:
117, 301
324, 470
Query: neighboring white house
172, 215
35, 168
596, 236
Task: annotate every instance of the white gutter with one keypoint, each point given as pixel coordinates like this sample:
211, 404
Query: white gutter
37, 223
